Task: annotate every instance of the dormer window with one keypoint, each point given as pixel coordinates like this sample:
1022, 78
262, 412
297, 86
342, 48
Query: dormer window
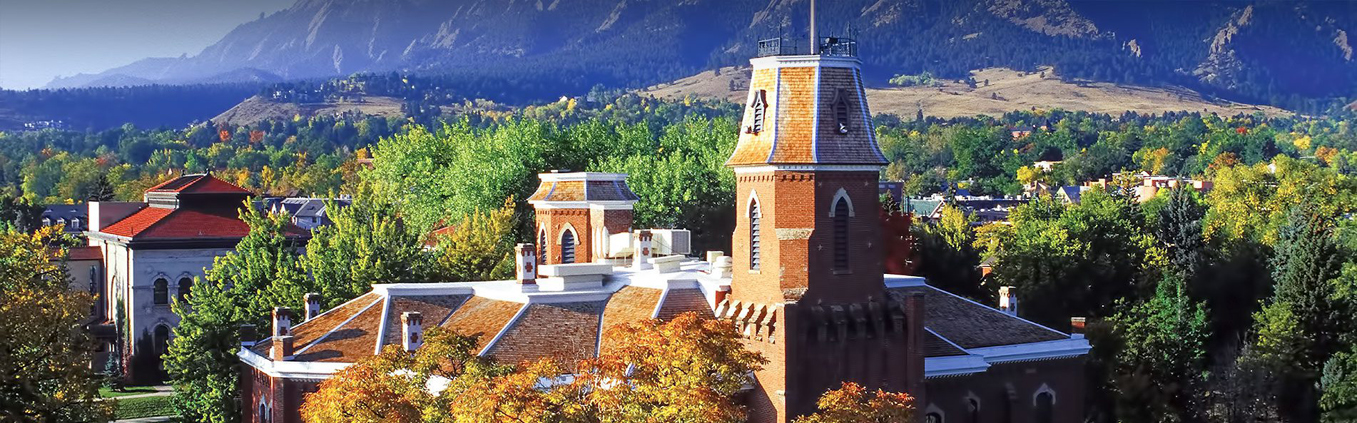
758, 109
841, 112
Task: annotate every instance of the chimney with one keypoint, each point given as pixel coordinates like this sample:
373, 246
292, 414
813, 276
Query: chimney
248, 335
282, 321
412, 325
312, 305
1008, 300
527, 264
1077, 327
282, 348
641, 255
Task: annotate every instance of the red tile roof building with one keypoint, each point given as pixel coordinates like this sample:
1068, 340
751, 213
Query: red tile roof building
150, 253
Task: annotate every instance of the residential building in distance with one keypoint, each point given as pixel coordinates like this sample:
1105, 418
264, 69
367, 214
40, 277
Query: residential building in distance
1150, 185
150, 253
74, 216
307, 213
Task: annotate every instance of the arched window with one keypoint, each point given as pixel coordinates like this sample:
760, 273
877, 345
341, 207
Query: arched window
1045, 404
933, 417
185, 284
758, 110
160, 294
567, 246
972, 410
841, 212
162, 339
542, 246
841, 111
754, 216
75, 223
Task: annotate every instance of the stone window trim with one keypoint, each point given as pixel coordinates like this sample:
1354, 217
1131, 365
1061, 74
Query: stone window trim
841, 112
842, 193
933, 414
542, 245
758, 112
570, 241
1044, 389
264, 411
160, 291
840, 212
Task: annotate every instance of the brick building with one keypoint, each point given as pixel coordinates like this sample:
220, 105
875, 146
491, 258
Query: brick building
805, 285
149, 252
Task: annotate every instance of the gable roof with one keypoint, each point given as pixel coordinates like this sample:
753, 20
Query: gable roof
198, 184
166, 224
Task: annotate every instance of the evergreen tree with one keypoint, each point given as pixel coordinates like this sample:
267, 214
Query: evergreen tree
1299, 328
1160, 366
1339, 382
202, 359
263, 272
102, 190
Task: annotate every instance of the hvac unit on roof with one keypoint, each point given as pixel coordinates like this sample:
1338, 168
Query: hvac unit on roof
673, 241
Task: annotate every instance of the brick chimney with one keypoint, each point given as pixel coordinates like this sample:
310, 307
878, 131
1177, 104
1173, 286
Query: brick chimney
1077, 327
312, 305
282, 349
412, 327
1008, 300
282, 321
641, 255
527, 264
248, 335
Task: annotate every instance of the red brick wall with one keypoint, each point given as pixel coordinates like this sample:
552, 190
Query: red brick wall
1006, 392
284, 396
555, 221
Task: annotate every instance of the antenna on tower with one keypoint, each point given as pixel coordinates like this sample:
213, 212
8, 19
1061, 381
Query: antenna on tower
814, 38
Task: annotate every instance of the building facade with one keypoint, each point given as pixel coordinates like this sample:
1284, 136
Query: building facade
151, 251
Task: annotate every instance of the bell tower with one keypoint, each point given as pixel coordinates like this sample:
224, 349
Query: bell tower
807, 288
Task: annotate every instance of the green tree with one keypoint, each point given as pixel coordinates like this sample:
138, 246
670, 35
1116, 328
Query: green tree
201, 360
480, 248
369, 242
1339, 402
949, 259
1299, 328
1160, 367
263, 272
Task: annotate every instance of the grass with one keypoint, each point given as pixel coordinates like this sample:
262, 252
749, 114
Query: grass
135, 408
130, 390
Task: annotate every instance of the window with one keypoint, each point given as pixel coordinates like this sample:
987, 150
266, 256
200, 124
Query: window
542, 247
754, 217
162, 339
758, 108
841, 111
161, 292
75, 223
933, 417
841, 234
972, 410
185, 284
1045, 407
568, 246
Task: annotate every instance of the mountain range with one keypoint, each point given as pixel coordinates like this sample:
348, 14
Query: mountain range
1256, 50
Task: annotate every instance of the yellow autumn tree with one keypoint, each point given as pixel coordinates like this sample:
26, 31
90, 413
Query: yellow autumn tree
852, 403
47, 353
480, 247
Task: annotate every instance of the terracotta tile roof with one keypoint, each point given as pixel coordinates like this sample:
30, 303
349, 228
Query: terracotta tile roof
307, 332
565, 332
352, 339
434, 308
680, 301
971, 325
630, 304
164, 223
198, 184
482, 316
85, 253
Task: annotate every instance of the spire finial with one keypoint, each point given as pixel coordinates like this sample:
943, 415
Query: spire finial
814, 38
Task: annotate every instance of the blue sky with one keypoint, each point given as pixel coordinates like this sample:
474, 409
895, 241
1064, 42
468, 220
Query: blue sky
41, 39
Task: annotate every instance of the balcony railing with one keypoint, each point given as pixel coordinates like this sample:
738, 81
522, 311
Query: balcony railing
828, 46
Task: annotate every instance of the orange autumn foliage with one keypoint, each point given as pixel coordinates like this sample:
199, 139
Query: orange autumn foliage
685, 370
852, 403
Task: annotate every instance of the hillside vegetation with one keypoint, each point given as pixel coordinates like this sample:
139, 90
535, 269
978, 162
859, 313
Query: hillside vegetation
997, 91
